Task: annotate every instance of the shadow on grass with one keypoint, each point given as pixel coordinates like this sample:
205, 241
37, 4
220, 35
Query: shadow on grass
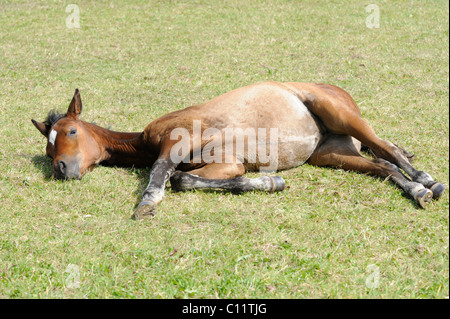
44, 164
383, 180
142, 175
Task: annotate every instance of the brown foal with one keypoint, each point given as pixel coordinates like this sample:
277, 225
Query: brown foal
266, 126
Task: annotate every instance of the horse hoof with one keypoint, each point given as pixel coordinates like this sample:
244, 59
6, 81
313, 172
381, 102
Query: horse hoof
437, 190
144, 210
278, 184
424, 197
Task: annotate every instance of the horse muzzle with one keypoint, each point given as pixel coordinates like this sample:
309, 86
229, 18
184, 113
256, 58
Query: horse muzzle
64, 169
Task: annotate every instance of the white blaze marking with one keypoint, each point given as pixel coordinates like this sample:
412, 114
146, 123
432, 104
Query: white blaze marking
52, 137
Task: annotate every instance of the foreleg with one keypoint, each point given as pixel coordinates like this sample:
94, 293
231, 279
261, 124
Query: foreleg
224, 176
162, 169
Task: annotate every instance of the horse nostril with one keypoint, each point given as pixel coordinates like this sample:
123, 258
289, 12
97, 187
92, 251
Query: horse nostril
62, 167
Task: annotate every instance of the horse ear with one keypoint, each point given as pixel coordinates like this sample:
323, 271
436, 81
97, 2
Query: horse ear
44, 129
75, 106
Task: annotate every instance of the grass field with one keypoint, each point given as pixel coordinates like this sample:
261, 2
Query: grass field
331, 234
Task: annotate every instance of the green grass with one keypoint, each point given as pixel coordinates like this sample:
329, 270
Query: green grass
134, 61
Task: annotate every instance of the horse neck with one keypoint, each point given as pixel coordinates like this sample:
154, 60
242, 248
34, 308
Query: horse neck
124, 148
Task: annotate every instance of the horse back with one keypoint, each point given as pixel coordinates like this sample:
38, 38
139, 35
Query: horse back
265, 109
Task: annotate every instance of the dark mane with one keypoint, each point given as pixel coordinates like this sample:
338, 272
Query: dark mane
53, 117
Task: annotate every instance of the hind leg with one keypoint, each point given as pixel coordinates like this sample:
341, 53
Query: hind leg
224, 176
359, 129
340, 115
339, 151
394, 154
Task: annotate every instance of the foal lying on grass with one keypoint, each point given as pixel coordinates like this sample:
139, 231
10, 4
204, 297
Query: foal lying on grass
268, 126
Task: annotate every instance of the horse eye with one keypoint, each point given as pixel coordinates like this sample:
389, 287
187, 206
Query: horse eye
73, 131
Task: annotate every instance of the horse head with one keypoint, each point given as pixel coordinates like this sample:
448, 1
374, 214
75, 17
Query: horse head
70, 142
